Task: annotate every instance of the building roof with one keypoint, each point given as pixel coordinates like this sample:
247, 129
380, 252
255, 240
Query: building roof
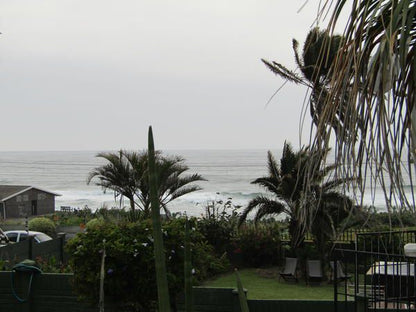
9, 191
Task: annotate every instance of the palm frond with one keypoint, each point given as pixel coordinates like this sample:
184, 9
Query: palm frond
374, 92
280, 70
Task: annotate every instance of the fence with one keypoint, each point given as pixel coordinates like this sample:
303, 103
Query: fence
53, 292
347, 236
382, 277
29, 249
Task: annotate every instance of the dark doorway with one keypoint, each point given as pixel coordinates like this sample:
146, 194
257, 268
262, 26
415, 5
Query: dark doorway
34, 207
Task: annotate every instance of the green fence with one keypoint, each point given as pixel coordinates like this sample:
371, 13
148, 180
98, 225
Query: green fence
53, 292
28, 249
226, 300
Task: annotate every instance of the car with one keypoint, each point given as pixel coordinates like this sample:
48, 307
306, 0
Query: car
21, 235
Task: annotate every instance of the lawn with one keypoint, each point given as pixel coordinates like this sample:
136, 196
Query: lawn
264, 284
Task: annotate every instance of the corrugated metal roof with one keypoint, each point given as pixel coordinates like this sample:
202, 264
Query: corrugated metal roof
9, 191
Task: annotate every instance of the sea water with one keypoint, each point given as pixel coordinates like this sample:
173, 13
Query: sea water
229, 174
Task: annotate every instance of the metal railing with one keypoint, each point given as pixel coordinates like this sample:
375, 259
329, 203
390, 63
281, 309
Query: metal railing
380, 276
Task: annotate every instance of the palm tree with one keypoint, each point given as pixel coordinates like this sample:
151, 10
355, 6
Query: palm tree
126, 173
318, 54
375, 73
116, 175
286, 183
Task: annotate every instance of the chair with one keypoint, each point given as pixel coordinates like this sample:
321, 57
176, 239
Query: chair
341, 276
289, 272
314, 272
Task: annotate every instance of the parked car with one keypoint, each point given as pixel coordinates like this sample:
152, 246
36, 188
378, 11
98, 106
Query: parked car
21, 235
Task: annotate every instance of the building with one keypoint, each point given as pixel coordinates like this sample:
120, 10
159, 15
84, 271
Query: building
18, 201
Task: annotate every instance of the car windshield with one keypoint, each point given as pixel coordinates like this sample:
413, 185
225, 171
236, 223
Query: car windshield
43, 237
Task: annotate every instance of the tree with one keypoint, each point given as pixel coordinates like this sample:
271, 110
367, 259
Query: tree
286, 183
318, 54
375, 72
126, 173
116, 175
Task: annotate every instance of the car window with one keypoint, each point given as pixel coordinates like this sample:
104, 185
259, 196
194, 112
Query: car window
12, 237
23, 236
40, 237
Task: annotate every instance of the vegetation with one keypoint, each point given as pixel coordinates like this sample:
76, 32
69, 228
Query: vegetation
159, 250
42, 224
375, 70
130, 261
319, 53
317, 207
126, 174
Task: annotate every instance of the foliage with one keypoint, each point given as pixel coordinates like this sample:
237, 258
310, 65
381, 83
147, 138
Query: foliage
94, 223
126, 174
305, 199
44, 225
375, 72
159, 251
76, 217
130, 261
319, 52
259, 245
219, 224
368, 218
51, 265
188, 269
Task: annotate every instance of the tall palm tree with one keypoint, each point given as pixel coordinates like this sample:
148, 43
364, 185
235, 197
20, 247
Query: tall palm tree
375, 71
286, 183
126, 173
318, 54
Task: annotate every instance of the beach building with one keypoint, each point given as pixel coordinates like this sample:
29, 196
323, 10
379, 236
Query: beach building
18, 201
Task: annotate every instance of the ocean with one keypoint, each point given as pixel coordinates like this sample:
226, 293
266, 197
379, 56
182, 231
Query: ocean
228, 174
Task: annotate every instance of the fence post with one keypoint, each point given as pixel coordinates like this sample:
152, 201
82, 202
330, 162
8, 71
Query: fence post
30, 251
61, 237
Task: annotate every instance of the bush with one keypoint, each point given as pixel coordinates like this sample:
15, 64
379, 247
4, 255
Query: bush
219, 225
258, 246
44, 225
94, 223
129, 264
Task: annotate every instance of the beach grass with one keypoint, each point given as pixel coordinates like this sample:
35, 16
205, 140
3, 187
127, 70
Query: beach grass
264, 284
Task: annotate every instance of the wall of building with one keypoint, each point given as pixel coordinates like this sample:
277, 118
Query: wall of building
21, 205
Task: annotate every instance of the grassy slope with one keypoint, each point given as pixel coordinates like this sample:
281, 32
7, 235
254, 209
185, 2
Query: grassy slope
261, 287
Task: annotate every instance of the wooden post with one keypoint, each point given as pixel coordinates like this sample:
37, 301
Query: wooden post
30, 251
61, 237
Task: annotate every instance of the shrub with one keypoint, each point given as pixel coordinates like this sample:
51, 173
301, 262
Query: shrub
44, 225
94, 223
258, 245
129, 264
219, 225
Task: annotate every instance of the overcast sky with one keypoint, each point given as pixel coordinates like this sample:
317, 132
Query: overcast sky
93, 75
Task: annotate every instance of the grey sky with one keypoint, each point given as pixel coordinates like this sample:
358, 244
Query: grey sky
93, 75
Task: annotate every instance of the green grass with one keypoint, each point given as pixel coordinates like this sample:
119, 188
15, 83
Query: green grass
264, 284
